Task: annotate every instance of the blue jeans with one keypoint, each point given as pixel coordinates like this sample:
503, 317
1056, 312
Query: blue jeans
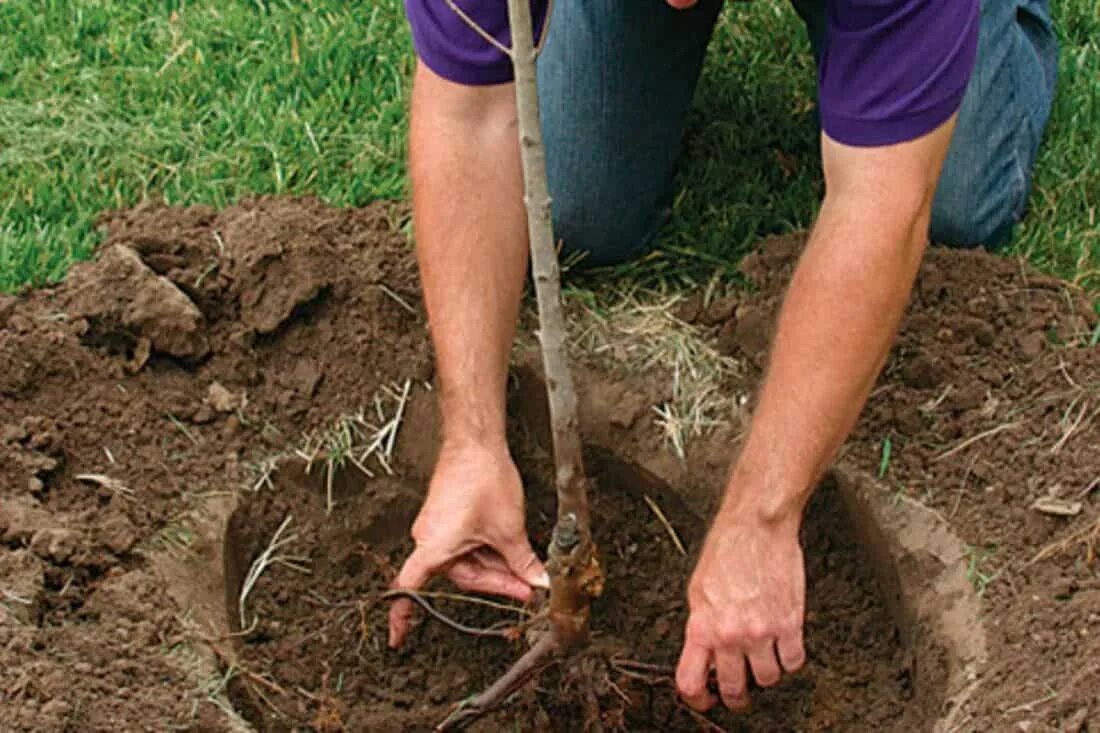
616, 81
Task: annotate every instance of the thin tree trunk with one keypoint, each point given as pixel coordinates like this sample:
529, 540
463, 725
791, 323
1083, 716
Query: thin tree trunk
575, 575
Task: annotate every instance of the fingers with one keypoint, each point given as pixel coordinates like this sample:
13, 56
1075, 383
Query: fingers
522, 561
792, 654
765, 667
733, 682
472, 574
413, 575
691, 676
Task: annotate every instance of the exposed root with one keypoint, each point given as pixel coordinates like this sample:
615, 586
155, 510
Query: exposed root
511, 633
673, 535
497, 693
1088, 535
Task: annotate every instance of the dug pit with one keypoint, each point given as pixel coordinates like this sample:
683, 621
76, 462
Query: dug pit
315, 620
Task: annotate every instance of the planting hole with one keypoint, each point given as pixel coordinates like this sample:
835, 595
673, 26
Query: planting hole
314, 644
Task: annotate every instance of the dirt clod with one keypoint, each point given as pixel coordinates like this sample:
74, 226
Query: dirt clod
122, 298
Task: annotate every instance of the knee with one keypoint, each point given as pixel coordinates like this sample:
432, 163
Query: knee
595, 231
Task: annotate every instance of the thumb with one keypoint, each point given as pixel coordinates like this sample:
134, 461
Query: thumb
413, 575
523, 561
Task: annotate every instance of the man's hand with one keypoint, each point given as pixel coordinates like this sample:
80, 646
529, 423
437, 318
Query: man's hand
682, 4
746, 600
472, 529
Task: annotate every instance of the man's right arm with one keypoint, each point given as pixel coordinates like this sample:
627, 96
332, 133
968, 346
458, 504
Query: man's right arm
471, 247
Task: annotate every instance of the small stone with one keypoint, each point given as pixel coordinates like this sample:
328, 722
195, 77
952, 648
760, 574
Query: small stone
232, 426
220, 398
1057, 507
35, 485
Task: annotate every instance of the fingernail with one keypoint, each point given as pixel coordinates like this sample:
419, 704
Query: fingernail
543, 580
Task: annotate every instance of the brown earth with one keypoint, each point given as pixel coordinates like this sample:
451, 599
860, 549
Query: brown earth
150, 393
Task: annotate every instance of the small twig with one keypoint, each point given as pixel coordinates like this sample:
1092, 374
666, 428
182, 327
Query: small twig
1092, 485
1030, 706
974, 439
476, 28
660, 669
330, 471
1072, 428
664, 521
182, 428
16, 598
444, 619
113, 485
397, 299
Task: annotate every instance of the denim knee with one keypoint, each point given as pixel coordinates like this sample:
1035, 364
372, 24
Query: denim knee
595, 232
959, 220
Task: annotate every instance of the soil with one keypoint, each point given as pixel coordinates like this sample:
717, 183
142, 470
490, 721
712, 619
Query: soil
159, 410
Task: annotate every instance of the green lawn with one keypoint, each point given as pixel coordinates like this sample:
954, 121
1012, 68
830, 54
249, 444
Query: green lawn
106, 102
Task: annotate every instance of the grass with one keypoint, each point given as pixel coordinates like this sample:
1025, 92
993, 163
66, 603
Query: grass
105, 103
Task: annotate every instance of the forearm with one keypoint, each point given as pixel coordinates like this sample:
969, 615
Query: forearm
471, 244
834, 332
838, 320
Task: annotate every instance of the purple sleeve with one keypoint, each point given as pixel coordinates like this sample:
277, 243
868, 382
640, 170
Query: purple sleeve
453, 50
893, 70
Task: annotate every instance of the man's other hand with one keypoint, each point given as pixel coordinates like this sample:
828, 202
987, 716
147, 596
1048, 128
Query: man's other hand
471, 528
746, 600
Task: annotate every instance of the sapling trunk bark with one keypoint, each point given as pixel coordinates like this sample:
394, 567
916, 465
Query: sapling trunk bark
574, 572
575, 575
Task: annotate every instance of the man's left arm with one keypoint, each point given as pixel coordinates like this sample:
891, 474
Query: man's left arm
834, 333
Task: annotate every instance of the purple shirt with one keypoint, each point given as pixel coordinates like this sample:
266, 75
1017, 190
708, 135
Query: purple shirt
891, 70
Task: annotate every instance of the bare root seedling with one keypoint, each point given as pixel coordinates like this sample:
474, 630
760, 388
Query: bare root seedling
575, 574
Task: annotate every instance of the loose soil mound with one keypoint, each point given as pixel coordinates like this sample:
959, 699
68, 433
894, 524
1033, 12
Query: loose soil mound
138, 397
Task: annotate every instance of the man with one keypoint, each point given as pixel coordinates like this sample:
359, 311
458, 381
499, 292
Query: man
931, 115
